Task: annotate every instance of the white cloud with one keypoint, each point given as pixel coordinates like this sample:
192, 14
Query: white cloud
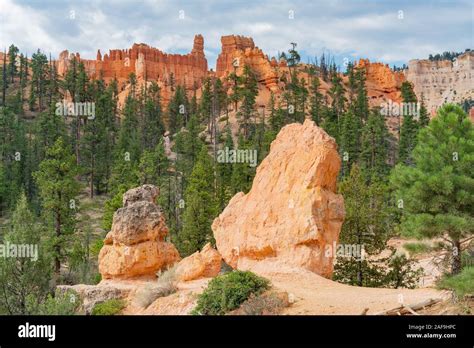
347, 29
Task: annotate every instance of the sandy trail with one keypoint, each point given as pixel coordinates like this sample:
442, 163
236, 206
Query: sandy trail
314, 294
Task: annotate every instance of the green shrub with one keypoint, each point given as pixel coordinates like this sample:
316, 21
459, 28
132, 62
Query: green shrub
109, 307
110, 207
467, 258
63, 303
96, 246
228, 291
417, 248
461, 284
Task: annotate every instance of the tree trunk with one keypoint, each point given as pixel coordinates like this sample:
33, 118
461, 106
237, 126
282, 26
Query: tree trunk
92, 178
456, 261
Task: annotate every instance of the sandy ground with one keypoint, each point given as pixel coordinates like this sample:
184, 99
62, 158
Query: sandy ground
314, 294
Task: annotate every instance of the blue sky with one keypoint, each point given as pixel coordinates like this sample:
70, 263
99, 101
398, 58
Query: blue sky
348, 29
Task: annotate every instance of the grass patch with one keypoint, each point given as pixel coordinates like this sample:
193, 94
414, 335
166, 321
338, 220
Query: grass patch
462, 283
166, 285
417, 248
228, 291
109, 307
264, 304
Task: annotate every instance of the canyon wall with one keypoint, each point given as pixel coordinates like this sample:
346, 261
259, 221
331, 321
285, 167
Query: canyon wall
238, 51
442, 81
437, 81
148, 63
382, 83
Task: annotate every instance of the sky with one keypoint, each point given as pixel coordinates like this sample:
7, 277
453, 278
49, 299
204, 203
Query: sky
389, 31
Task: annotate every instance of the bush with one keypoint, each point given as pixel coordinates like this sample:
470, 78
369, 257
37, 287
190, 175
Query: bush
166, 285
65, 303
109, 307
417, 248
228, 291
167, 280
110, 207
462, 283
264, 304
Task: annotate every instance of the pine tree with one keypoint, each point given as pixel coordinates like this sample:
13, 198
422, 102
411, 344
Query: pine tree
349, 141
153, 165
187, 146
24, 280
367, 223
4, 80
437, 190
361, 103
39, 63
58, 190
224, 171
409, 128
249, 91
316, 100
242, 173
12, 154
152, 127
375, 146
424, 119
49, 127
12, 69
128, 141
178, 110
201, 206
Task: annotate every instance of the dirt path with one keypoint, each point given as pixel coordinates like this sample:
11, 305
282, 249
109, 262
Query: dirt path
317, 295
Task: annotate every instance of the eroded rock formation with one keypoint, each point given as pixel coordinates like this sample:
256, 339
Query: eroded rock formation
442, 81
292, 210
148, 63
238, 51
202, 264
382, 83
135, 247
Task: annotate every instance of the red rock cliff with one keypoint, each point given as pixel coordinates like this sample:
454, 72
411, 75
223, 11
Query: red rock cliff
241, 51
147, 63
382, 83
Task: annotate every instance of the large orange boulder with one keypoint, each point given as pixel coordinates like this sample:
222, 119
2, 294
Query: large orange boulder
292, 211
135, 247
203, 264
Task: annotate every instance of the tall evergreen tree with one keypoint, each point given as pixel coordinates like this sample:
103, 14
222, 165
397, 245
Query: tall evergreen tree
153, 128
367, 224
437, 189
58, 190
39, 64
201, 206
316, 100
375, 146
12, 68
249, 91
409, 128
24, 280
